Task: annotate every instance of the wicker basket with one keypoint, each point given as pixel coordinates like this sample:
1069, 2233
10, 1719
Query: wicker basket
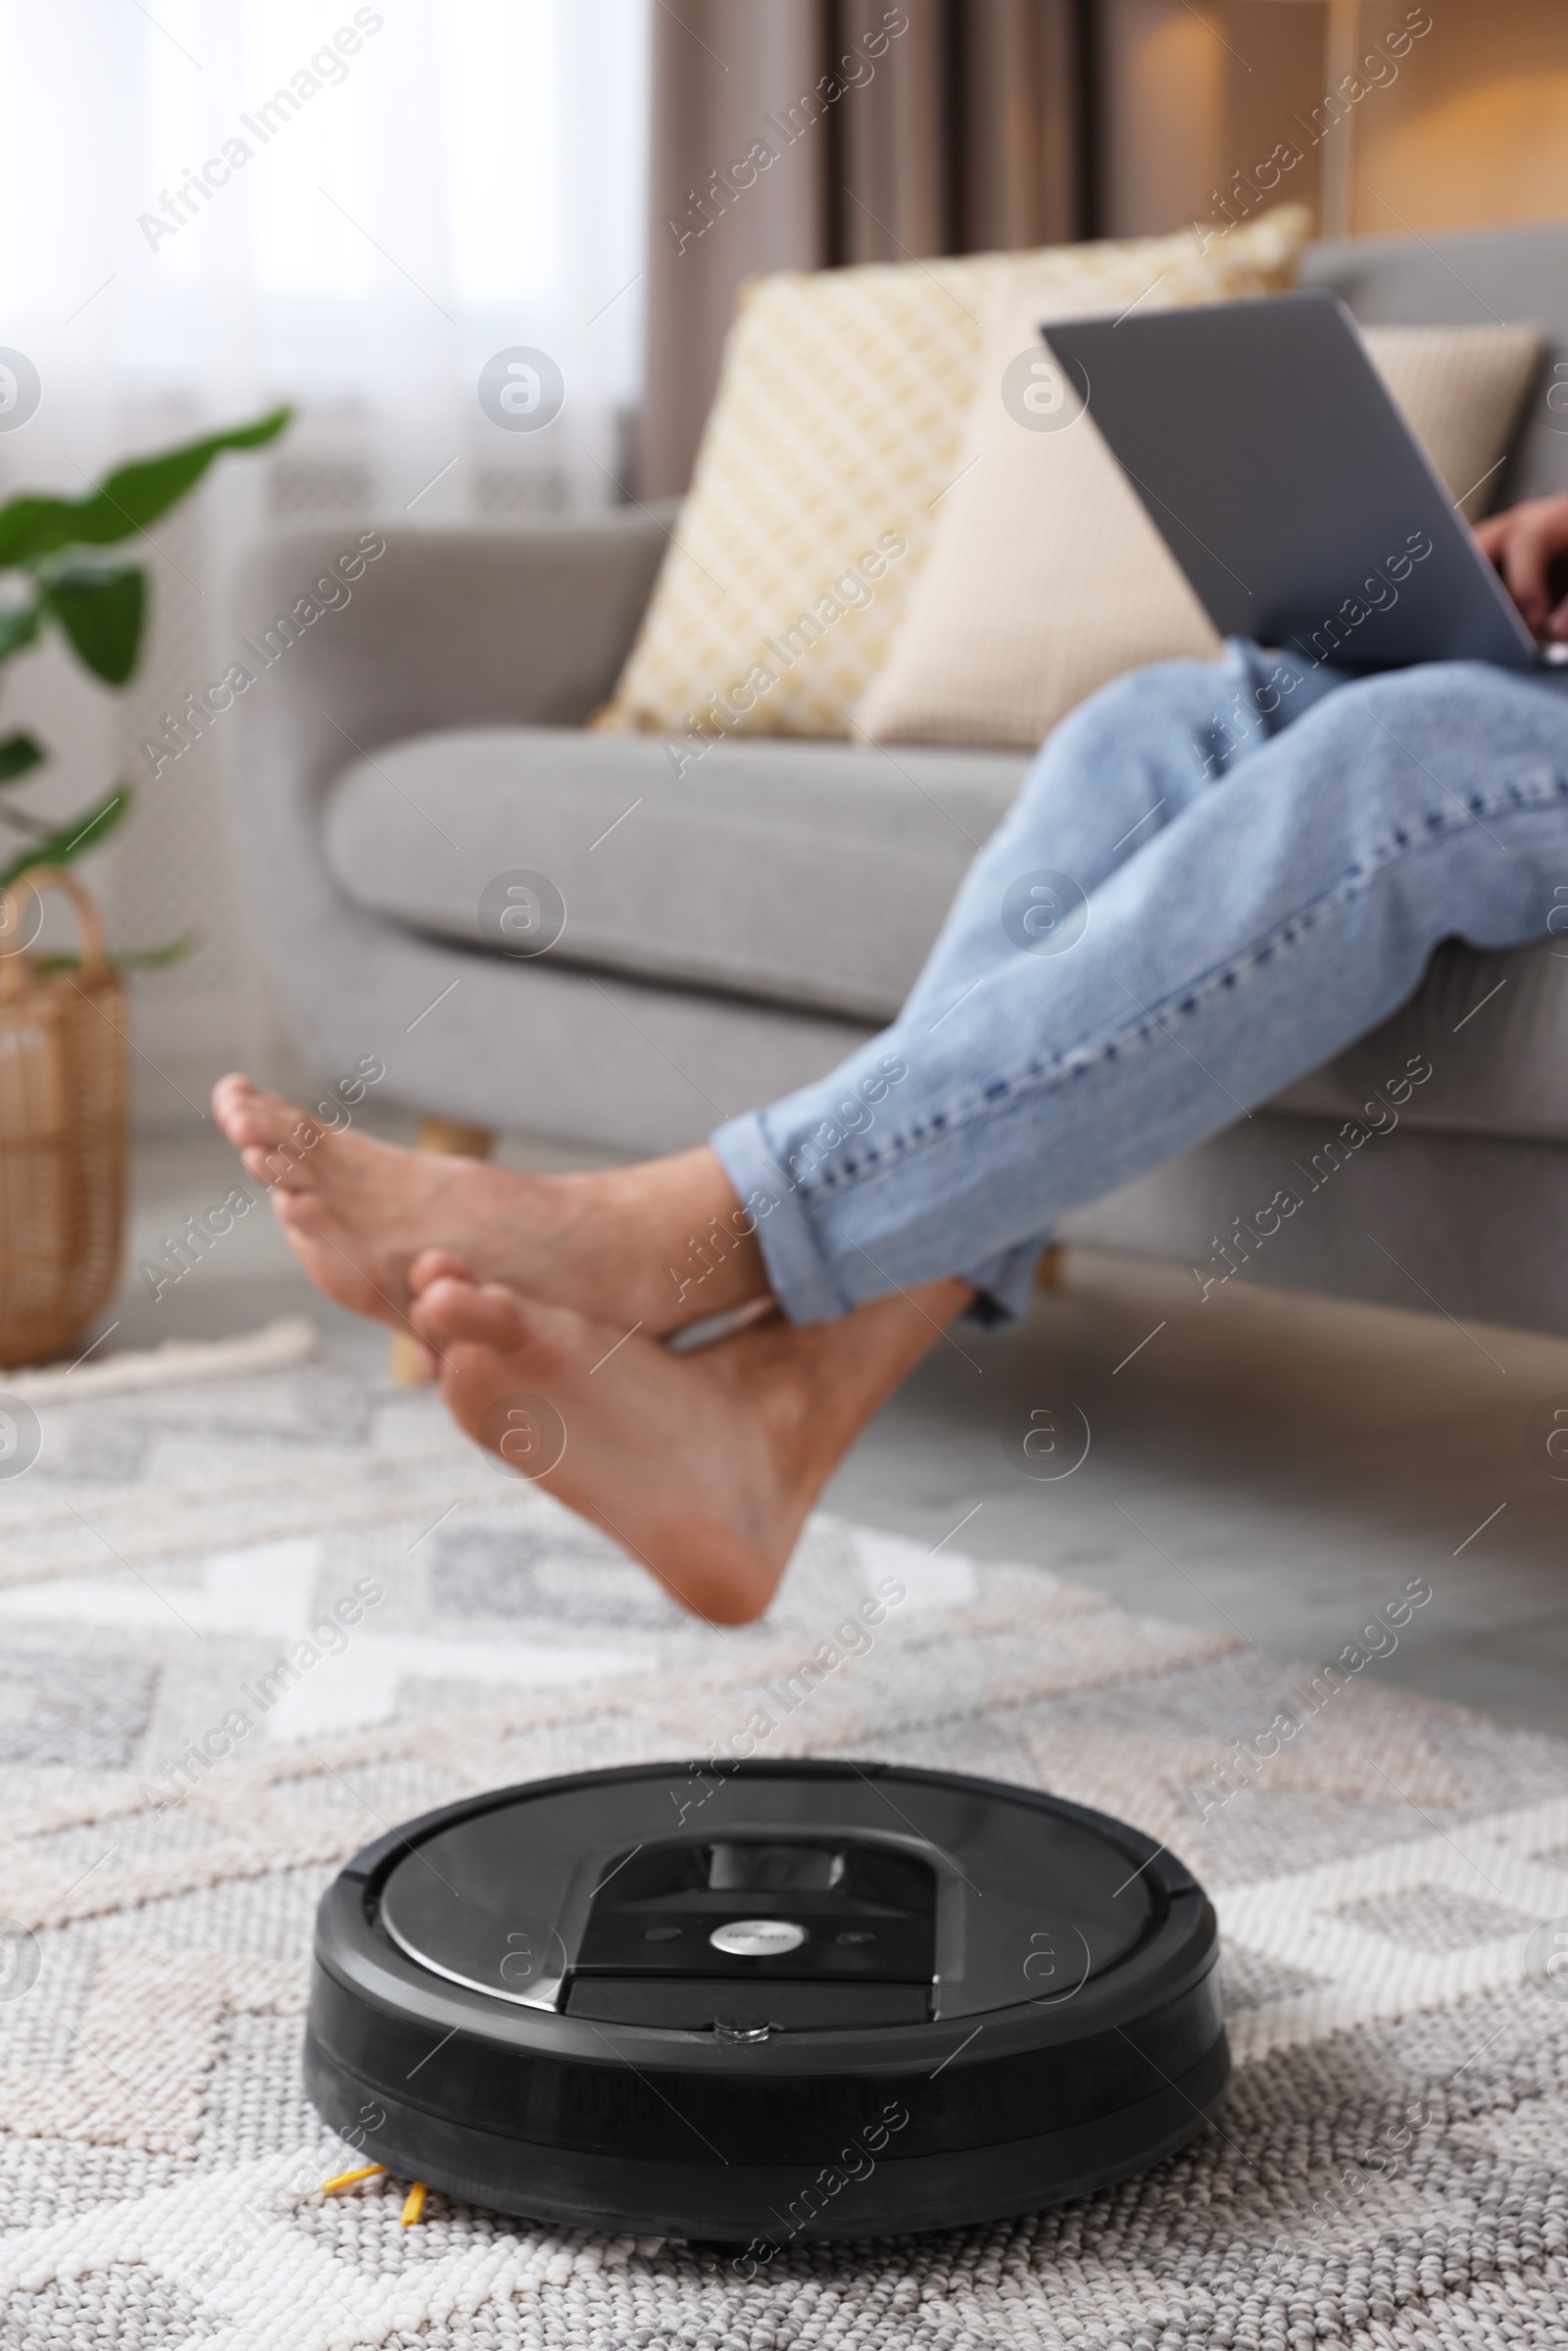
62, 1130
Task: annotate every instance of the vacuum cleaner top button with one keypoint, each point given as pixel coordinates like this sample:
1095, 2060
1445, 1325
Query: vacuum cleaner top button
757, 1939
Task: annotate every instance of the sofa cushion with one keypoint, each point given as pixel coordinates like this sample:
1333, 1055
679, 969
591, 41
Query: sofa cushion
834, 436
808, 874
1488, 1025
816, 876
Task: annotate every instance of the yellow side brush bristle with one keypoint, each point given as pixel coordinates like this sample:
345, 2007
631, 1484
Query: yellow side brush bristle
414, 2209
329, 2187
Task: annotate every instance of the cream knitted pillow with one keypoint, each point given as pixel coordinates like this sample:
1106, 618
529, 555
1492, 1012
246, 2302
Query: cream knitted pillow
1047, 578
1461, 389
829, 455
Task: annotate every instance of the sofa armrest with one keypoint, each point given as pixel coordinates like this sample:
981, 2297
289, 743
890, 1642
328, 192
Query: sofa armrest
447, 627
443, 629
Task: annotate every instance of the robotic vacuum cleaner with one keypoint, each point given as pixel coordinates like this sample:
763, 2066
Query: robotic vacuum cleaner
764, 2002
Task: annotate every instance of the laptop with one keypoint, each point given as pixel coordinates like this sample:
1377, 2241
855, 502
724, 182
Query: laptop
1275, 466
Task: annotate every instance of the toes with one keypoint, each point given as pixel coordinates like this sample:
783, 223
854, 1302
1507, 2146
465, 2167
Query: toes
243, 1123
280, 1158
468, 1365
256, 1121
277, 1168
436, 1265
304, 1214
230, 1098
454, 1308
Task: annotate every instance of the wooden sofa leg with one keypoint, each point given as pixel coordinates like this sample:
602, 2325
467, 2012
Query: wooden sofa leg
1048, 1271
408, 1365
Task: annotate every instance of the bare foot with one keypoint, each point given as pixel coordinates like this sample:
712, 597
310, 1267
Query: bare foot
685, 1460
702, 1465
630, 1244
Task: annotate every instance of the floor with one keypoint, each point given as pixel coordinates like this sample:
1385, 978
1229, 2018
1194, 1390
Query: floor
1283, 1463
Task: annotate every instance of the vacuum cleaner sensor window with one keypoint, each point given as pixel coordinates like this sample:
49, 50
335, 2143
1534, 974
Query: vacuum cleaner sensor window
600, 2001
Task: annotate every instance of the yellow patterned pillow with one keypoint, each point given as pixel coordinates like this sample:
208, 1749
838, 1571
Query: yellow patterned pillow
834, 435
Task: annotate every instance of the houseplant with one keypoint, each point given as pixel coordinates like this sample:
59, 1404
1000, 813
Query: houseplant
62, 1031
99, 607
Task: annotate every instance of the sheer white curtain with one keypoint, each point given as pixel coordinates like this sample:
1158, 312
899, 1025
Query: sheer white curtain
214, 201
210, 205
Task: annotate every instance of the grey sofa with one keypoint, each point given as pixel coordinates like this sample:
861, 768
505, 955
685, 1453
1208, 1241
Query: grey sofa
732, 931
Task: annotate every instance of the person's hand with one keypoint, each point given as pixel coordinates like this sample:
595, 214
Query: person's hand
1529, 544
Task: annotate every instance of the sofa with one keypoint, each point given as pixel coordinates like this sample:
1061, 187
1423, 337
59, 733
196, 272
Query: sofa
731, 931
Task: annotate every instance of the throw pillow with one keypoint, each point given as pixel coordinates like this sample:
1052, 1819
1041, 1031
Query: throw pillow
1046, 577
1461, 389
830, 452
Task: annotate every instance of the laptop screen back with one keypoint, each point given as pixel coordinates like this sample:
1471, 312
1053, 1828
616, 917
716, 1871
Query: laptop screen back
1270, 456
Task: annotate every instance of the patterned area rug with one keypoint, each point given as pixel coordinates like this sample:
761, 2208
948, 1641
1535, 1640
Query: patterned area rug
193, 1742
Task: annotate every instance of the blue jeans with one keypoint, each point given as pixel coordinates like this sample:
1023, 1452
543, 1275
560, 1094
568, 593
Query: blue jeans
1215, 876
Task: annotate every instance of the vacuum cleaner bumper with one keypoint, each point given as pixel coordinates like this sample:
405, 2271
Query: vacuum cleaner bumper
834, 2001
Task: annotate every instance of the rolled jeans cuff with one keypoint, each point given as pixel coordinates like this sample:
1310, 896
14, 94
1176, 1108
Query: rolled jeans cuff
795, 1267
1004, 1284
802, 1276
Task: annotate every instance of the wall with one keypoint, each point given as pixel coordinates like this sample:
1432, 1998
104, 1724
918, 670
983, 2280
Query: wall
1477, 128
1471, 129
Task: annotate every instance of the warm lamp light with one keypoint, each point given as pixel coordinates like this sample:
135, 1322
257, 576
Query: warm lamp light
1341, 40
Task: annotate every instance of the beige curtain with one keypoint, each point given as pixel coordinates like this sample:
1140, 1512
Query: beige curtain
802, 133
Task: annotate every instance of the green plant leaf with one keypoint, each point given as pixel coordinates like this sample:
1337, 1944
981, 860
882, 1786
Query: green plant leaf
126, 501
84, 831
100, 608
18, 755
129, 958
19, 625
156, 958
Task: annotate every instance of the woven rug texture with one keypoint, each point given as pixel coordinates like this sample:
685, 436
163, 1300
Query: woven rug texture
193, 1742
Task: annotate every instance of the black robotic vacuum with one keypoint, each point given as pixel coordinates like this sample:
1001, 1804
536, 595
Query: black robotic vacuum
761, 2002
